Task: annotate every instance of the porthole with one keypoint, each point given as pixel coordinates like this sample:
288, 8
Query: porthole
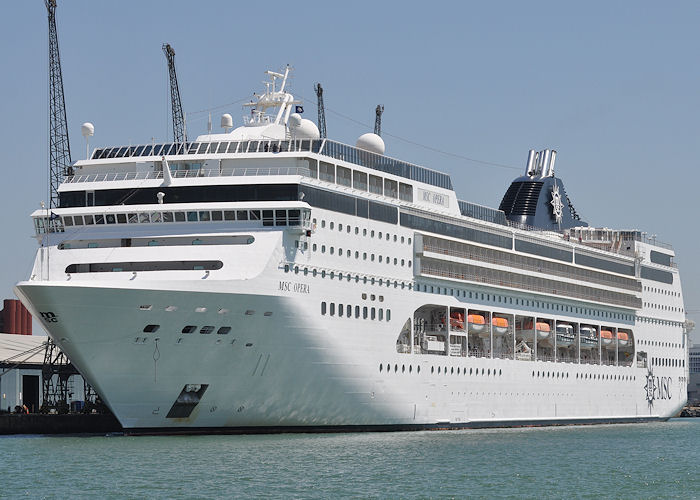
151, 328
189, 329
381, 368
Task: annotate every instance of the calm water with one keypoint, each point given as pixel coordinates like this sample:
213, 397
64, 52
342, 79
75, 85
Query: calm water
621, 461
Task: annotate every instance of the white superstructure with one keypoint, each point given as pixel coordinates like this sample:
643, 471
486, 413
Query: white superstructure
267, 278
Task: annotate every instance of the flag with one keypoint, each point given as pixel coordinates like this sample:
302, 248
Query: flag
53, 216
300, 109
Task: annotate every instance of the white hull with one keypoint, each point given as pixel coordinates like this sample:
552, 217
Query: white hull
292, 369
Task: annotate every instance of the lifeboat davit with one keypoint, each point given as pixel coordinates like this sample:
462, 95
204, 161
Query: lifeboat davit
622, 338
606, 337
477, 323
565, 335
500, 326
588, 337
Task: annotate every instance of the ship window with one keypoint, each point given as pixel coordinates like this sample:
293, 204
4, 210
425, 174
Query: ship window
204, 216
255, 215
391, 188
189, 329
155, 217
373, 313
240, 215
340, 310
323, 308
313, 168
364, 312
168, 217
344, 176
144, 217
332, 311
151, 328
294, 217
388, 314
381, 314
326, 172
357, 311
375, 184
78, 219
206, 330
89, 220
280, 217
405, 192
99, 219
191, 216
68, 221
359, 180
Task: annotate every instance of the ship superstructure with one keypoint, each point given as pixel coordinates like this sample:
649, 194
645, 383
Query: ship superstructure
268, 278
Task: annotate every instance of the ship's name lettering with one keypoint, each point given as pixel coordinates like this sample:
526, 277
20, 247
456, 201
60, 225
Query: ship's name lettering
290, 286
433, 197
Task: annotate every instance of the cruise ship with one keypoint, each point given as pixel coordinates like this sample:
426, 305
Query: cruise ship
268, 279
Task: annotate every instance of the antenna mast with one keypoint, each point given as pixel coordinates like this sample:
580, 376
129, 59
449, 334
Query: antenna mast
59, 145
378, 119
321, 110
179, 133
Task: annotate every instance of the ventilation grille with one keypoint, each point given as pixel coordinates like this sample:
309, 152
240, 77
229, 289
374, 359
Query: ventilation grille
521, 198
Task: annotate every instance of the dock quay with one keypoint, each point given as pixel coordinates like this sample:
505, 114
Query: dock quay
37, 423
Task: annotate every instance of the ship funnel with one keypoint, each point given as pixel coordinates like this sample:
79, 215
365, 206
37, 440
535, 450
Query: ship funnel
531, 158
544, 162
552, 159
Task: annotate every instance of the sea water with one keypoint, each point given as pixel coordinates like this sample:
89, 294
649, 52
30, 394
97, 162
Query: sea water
655, 460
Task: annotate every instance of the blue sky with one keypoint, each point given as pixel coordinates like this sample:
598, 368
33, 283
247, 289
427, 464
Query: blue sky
612, 86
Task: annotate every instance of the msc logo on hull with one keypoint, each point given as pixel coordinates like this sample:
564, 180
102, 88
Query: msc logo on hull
49, 317
657, 388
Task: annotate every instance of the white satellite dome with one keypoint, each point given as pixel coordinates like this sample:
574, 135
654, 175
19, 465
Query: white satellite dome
302, 128
371, 142
87, 129
226, 121
294, 120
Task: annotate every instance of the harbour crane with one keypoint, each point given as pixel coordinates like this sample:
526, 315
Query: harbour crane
378, 119
321, 110
59, 144
179, 130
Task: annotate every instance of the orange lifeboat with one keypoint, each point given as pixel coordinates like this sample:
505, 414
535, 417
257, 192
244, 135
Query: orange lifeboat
456, 320
543, 329
622, 338
606, 337
477, 323
500, 325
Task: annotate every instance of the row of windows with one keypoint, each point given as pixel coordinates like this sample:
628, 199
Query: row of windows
223, 330
657, 343
468, 251
443, 370
663, 307
165, 265
348, 254
668, 362
384, 164
363, 312
539, 304
350, 205
349, 277
525, 282
657, 275
360, 180
180, 194
456, 231
652, 289
348, 229
323, 146
655, 321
